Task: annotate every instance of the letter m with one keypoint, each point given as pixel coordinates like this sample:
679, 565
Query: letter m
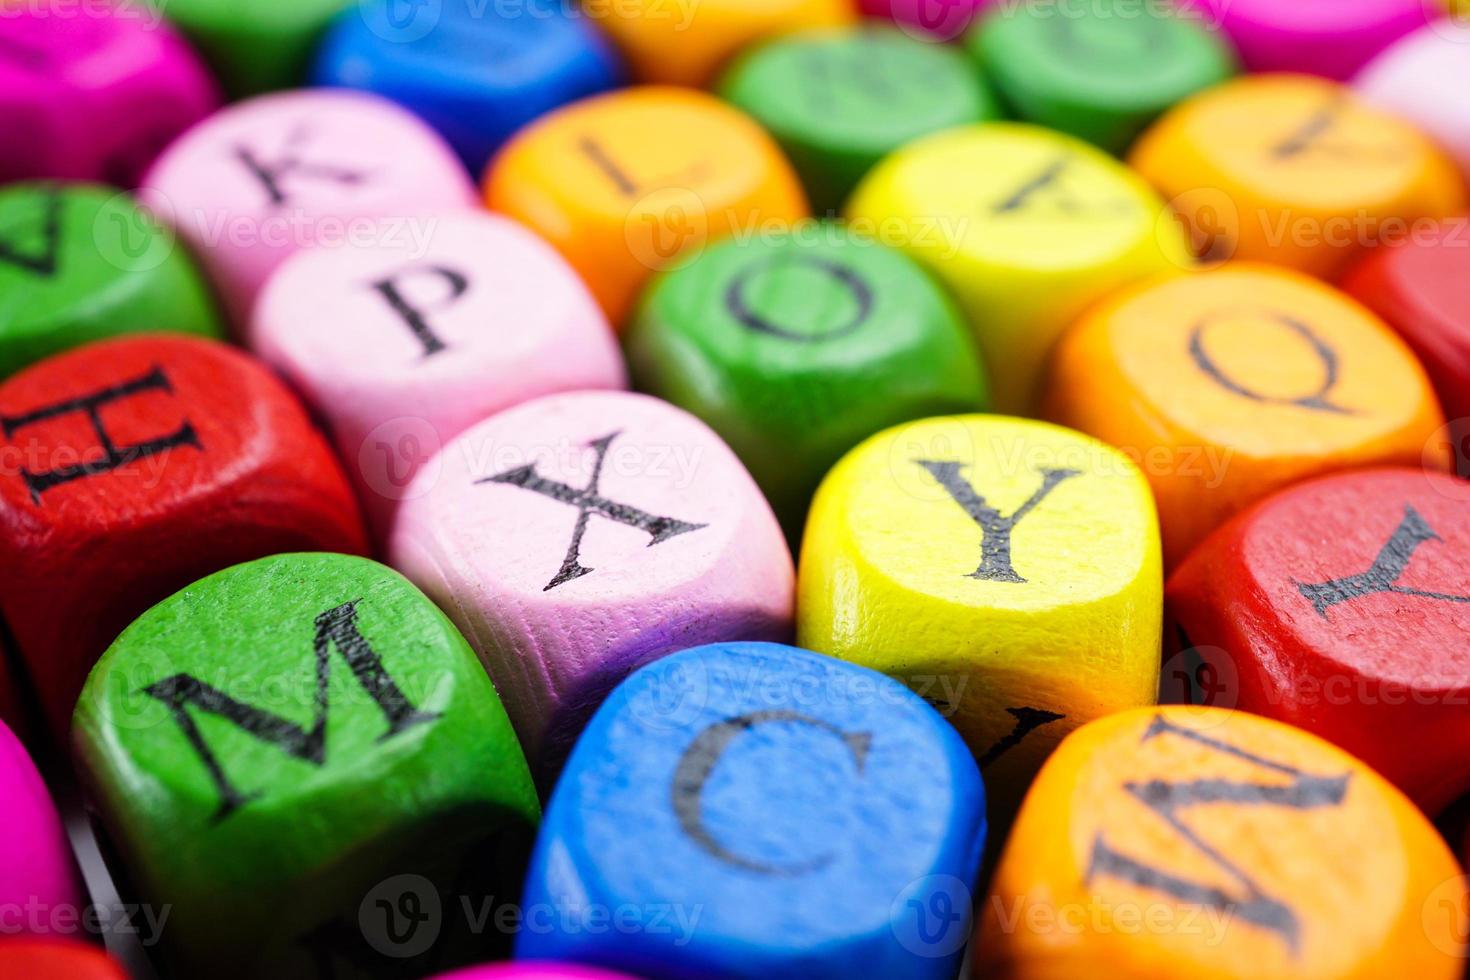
335, 628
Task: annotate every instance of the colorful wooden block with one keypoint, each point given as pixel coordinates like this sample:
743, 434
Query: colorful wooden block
1101, 71
626, 184
476, 74
1007, 570
94, 94
265, 178
839, 100
33, 959
796, 817
303, 684
1237, 382
688, 44
1295, 171
795, 349
38, 875
134, 467
1340, 605
401, 347
533, 971
1420, 290
942, 20
259, 45
1321, 37
1410, 78
80, 263
1028, 228
1189, 842
576, 537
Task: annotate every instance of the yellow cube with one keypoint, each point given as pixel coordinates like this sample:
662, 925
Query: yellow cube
637, 181
1027, 227
1008, 570
1206, 844
1296, 171
688, 42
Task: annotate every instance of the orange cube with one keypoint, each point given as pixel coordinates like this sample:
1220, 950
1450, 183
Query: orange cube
1294, 170
1230, 384
688, 43
636, 181
1209, 844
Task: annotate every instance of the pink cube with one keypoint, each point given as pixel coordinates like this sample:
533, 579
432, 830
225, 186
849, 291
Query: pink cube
38, 875
1425, 78
1321, 37
401, 345
941, 19
580, 536
89, 92
263, 179
531, 971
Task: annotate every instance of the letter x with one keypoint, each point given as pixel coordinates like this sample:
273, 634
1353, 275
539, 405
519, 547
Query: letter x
995, 545
1383, 575
589, 503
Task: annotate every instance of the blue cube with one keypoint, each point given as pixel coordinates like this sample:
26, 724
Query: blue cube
755, 810
475, 70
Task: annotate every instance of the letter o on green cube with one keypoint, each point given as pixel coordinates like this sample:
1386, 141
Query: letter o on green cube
303, 760
797, 347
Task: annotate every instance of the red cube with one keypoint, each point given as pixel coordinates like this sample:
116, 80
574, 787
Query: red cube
1341, 606
129, 469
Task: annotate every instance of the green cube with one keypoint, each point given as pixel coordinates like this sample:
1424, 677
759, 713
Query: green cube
1101, 71
80, 263
259, 46
303, 759
797, 347
839, 100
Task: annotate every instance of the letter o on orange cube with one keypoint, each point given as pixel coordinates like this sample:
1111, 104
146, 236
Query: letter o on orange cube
1294, 170
687, 42
1215, 845
1236, 382
634, 182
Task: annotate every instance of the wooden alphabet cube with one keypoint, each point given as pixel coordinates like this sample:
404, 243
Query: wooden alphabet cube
33, 959
625, 184
1101, 71
840, 99
688, 44
576, 537
80, 263
402, 346
134, 467
262, 179
38, 875
1410, 80
1237, 382
259, 45
287, 752
943, 20
795, 349
1418, 288
783, 814
1007, 570
1191, 842
1340, 605
1027, 227
1295, 171
477, 73
93, 94
1321, 37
